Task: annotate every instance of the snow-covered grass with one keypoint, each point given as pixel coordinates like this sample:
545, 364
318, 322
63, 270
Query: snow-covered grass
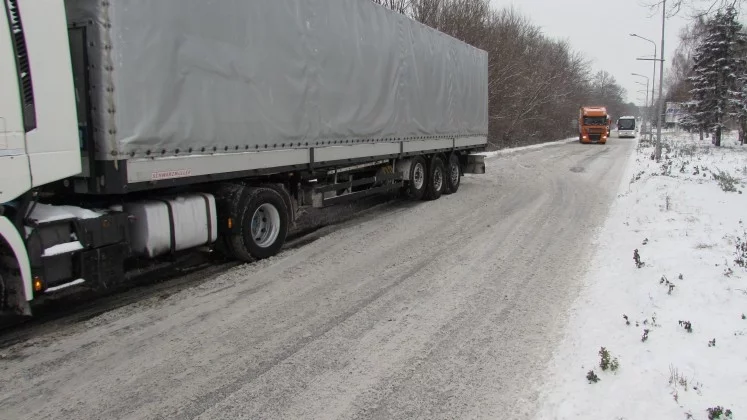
677, 324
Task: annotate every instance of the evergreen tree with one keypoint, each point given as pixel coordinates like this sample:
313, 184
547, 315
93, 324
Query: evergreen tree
688, 120
739, 97
718, 68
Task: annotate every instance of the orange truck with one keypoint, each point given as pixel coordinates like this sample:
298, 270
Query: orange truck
593, 124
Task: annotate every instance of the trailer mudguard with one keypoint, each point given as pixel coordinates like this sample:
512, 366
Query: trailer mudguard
11, 237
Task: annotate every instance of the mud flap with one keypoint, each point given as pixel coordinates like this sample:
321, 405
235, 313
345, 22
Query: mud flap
15, 271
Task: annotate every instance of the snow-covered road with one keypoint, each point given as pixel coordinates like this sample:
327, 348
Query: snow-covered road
445, 309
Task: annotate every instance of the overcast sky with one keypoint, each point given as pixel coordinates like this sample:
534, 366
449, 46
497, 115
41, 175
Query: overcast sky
600, 30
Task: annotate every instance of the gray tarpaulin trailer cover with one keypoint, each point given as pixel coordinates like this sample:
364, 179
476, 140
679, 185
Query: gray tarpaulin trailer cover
172, 79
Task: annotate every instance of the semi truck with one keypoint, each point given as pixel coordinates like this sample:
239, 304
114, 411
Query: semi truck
593, 124
134, 131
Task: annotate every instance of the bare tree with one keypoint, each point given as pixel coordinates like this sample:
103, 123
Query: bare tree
401, 6
676, 82
536, 84
426, 11
696, 8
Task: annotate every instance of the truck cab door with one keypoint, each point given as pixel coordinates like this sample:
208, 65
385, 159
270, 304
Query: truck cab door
11, 139
35, 33
15, 177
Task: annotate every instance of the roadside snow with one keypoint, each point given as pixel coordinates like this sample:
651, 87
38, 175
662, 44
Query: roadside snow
686, 229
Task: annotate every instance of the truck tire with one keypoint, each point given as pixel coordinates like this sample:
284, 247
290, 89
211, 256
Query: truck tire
436, 180
453, 175
9, 298
260, 224
227, 196
418, 179
3, 291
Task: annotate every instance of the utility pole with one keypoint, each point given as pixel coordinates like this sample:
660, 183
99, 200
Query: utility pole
657, 152
645, 104
660, 104
653, 83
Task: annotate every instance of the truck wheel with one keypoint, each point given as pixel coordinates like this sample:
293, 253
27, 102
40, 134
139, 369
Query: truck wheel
227, 198
418, 179
260, 226
436, 180
453, 176
3, 291
11, 303
5, 304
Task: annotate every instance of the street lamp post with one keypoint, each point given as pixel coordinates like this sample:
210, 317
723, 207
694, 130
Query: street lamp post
653, 76
647, 83
661, 80
643, 122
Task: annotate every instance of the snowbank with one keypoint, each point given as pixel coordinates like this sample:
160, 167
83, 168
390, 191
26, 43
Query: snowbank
523, 148
690, 295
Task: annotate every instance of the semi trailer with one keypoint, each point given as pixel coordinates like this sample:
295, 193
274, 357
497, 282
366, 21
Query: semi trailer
135, 131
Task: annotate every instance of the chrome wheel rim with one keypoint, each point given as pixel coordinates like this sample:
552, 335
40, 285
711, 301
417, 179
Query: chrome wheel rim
438, 179
418, 176
265, 226
454, 174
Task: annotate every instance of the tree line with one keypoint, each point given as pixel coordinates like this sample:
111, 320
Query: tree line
536, 83
709, 73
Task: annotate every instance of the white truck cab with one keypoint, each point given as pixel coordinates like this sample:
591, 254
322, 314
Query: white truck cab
38, 124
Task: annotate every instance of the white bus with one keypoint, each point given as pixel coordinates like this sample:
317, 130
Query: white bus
626, 126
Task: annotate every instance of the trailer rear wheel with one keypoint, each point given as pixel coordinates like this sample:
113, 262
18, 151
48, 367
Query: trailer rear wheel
260, 224
436, 180
453, 174
418, 179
